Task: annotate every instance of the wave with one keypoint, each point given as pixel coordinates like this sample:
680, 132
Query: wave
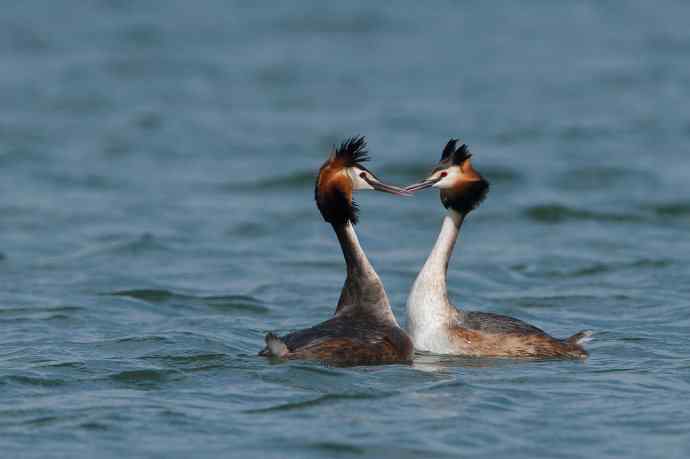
146, 376
292, 181
222, 302
591, 268
675, 209
552, 213
305, 404
35, 380
602, 177
558, 213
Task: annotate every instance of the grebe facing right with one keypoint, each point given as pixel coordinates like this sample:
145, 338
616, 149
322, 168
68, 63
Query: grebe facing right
437, 326
364, 330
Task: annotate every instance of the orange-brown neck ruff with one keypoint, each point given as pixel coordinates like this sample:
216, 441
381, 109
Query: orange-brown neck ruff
469, 191
333, 190
333, 193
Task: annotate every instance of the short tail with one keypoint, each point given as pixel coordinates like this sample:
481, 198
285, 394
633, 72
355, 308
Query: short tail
580, 338
275, 347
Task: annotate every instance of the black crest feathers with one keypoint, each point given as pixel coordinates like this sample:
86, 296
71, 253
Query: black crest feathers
353, 151
455, 156
449, 149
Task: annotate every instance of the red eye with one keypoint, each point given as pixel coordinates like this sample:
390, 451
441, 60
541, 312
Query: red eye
444, 174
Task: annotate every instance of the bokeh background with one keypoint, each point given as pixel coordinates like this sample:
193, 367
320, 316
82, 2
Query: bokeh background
156, 219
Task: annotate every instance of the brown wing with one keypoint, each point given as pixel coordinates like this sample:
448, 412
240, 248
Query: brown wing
497, 324
494, 335
350, 341
349, 351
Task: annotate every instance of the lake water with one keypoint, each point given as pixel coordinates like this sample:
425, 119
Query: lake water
157, 219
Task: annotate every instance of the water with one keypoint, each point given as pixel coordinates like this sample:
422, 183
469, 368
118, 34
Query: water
157, 218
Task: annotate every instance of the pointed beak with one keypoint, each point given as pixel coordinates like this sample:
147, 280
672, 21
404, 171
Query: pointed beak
424, 184
380, 186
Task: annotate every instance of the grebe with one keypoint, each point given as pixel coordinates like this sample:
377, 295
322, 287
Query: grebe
437, 326
364, 330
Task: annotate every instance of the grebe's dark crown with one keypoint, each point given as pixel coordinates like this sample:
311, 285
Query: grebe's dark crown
452, 156
353, 151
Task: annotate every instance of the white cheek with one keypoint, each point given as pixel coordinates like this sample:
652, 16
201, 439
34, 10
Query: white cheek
358, 183
448, 181
445, 182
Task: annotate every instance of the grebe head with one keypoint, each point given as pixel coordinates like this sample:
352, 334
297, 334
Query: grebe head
462, 187
342, 174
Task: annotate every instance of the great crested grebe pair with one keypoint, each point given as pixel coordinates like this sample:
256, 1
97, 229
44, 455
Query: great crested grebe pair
364, 330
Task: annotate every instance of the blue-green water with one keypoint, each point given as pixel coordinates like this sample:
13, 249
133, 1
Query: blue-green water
157, 218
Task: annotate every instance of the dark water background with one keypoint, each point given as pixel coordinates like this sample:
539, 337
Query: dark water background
156, 219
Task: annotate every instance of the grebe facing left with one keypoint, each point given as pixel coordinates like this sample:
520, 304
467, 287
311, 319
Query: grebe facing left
437, 326
363, 330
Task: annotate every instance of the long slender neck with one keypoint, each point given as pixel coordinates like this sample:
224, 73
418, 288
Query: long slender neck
437, 263
363, 291
428, 300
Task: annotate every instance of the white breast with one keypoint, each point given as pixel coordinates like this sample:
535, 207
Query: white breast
428, 317
429, 313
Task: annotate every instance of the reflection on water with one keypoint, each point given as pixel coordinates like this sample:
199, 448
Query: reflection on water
449, 364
